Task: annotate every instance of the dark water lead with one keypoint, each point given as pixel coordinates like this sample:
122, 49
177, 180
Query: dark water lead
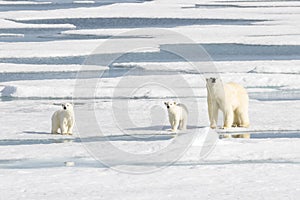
69, 139
48, 163
53, 34
88, 162
20, 76
267, 134
215, 6
280, 95
50, 34
217, 52
62, 4
110, 73
125, 22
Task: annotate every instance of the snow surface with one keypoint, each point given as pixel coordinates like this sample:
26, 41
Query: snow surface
254, 43
22, 2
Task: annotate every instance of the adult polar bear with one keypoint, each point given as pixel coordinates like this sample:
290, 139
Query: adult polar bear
63, 120
232, 99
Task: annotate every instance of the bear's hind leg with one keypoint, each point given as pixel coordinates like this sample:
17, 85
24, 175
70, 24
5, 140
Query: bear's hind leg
236, 119
182, 125
244, 120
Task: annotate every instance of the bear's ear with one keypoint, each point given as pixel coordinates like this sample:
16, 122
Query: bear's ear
175, 103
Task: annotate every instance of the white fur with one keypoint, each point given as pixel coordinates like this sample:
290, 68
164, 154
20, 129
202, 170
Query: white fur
232, 99
63, 120
178, 115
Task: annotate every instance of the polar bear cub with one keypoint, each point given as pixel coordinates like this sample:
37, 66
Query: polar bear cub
63, 120
232, 99
178, 115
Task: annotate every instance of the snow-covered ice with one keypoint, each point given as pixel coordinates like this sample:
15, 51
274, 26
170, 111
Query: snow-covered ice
43, 44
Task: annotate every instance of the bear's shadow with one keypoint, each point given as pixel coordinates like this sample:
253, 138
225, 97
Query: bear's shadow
36, 132
160, 128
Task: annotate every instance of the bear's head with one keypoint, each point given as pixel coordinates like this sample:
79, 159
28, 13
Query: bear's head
67, 106
212, 81
170, 104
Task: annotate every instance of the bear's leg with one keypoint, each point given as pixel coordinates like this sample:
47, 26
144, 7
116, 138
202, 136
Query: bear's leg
228, 118
175, 126
244, 120
210, 111
63, 128
55, 127
236, 119
70, 129
171, 122
182, 124
54, 130
214, 117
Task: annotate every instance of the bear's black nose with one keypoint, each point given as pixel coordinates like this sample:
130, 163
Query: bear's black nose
213, 80
65, 108
168, 107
